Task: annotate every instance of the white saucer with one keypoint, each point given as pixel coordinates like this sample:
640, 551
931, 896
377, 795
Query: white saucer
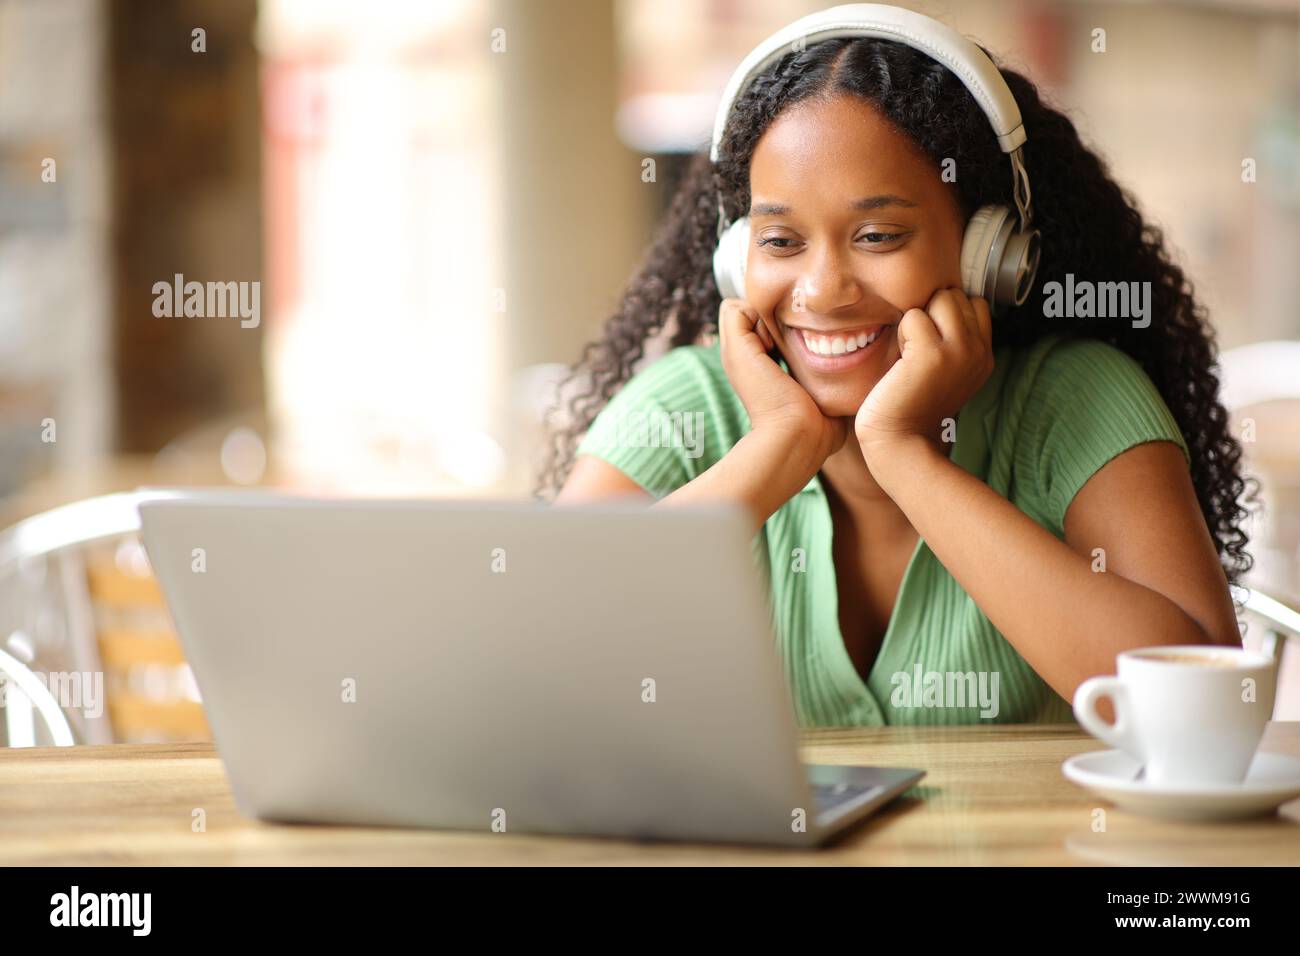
1271, 781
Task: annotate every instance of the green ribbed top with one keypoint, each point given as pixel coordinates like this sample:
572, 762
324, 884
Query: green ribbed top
1050, 415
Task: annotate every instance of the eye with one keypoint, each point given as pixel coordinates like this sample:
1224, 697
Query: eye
881, 238
775, 242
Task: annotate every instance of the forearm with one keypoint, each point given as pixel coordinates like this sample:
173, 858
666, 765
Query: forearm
1065, 619
761, 472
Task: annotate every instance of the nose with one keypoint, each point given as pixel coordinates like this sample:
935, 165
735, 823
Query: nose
829, 283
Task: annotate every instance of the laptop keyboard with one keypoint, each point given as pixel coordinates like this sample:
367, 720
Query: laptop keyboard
829, 797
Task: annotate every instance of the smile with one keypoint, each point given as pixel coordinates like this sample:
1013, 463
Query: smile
837, 351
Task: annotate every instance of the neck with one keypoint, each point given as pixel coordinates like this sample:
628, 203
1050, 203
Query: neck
851, 482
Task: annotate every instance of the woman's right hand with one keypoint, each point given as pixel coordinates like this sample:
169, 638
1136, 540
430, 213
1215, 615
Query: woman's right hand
775, 402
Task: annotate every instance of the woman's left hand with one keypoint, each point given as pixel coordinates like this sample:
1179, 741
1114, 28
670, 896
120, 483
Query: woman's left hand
945, 356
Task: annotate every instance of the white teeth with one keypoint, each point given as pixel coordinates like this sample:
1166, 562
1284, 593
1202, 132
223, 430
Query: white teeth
821, 345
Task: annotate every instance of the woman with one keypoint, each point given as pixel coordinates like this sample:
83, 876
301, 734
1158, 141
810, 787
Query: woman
963, 517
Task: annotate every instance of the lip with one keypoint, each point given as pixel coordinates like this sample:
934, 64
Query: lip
838, 363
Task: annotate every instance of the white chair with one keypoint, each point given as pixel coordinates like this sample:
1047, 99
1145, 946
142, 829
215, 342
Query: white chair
25, 697
1250, 376
50, 626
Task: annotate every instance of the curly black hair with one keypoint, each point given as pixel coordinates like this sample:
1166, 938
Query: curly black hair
1091, 227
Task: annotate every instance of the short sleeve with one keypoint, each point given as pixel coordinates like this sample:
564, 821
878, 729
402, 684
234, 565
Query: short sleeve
1089, 402
670, 422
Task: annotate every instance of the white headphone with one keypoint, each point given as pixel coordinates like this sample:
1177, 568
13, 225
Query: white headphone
998, 259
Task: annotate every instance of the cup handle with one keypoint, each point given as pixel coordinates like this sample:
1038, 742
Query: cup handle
1120, 734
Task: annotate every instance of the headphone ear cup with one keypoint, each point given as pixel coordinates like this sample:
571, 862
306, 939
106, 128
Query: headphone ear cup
1020, 265
729, 259
978, 273
998, 263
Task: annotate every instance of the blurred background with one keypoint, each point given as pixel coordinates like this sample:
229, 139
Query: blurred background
440, 201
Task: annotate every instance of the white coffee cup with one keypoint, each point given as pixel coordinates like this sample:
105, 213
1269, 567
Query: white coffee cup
1192, 715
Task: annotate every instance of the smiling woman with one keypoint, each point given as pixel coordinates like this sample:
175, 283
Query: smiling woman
938, 491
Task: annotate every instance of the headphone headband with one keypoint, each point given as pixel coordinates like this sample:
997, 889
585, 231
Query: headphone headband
937, 40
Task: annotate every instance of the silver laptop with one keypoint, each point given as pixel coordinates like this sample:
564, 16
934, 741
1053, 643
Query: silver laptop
502, 667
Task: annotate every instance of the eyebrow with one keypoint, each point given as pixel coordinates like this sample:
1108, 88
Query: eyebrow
866, 203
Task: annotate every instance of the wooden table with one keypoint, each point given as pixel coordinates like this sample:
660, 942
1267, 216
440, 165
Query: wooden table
993, 795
